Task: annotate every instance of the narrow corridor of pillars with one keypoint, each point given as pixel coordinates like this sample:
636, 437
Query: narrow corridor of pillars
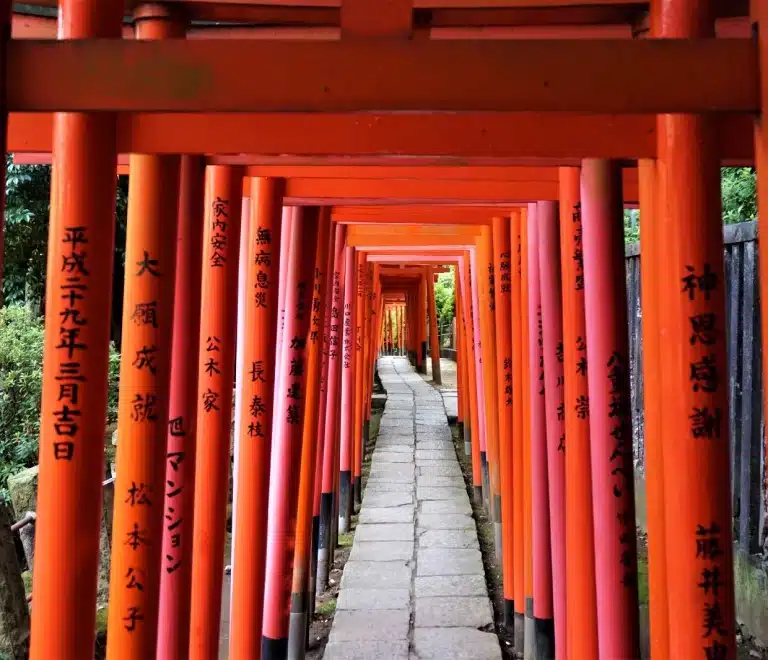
216, 366
75, 362
257, 379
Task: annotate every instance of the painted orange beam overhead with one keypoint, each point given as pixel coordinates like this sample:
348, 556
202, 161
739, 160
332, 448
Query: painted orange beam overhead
622, 76
558, 136
336, 190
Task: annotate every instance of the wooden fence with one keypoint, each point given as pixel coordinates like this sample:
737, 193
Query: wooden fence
746, 424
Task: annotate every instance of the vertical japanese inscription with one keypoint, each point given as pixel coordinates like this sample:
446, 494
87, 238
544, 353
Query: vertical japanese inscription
698, 285
70, 347
578, 250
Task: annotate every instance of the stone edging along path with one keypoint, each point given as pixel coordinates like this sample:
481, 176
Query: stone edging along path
414, 585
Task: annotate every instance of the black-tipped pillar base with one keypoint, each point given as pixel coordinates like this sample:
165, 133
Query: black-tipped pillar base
509, 615
345, 500
486, 482
519, 632
324, 533
477, 492
358, 490
545, 638
274, 649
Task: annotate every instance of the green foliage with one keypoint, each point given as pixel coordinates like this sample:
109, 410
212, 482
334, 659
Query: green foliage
21, 379
739, 190
27, 190
739, 194
631, 226
445, 298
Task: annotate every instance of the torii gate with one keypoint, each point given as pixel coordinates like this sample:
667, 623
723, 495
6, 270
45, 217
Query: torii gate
404, 113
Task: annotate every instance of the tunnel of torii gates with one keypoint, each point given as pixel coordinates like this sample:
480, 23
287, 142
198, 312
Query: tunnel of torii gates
323, 157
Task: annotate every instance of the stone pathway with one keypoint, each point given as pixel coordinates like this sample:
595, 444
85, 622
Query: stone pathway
414, 585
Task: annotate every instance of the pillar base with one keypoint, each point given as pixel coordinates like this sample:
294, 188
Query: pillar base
545, 638
529, 632
478, 495
468, 441
486, 482
509, 615
358, 490
324, 533
274, 649
313, 566
497, 542
297, 628
346, 503
519, 632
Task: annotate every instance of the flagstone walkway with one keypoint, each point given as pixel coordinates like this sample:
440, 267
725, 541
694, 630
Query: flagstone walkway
414, 585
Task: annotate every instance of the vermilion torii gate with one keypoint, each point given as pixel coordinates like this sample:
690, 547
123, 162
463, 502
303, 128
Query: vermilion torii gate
308, 150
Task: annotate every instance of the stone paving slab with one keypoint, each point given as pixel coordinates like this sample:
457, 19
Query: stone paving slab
443, 469
376, 575
381, 650
471, 611
440, 493
450, 585
373, 599
448, 538
415, 558
450, 561
445, 506
382, 551
385, 532
455, 643
394, 514
445, 521
387, 499
369, 625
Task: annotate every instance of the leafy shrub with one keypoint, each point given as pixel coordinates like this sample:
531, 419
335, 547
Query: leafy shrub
21, 382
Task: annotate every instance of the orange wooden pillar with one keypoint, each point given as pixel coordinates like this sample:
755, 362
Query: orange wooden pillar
322, 411
258, 379
552, 331
502, 261
465, 422
421, 302
360, 371
481, 449
434, 337
518, 440
145, 366
581, 614
697, 516
5, 30
144, 393
347, 393
214, 412
487, 287
75, 363
300, 595
290, 416
541, 546
330, 454
609, 409
471, 435
176, 556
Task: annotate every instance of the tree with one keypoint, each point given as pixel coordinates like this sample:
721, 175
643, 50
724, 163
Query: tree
445, 299
739, 190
